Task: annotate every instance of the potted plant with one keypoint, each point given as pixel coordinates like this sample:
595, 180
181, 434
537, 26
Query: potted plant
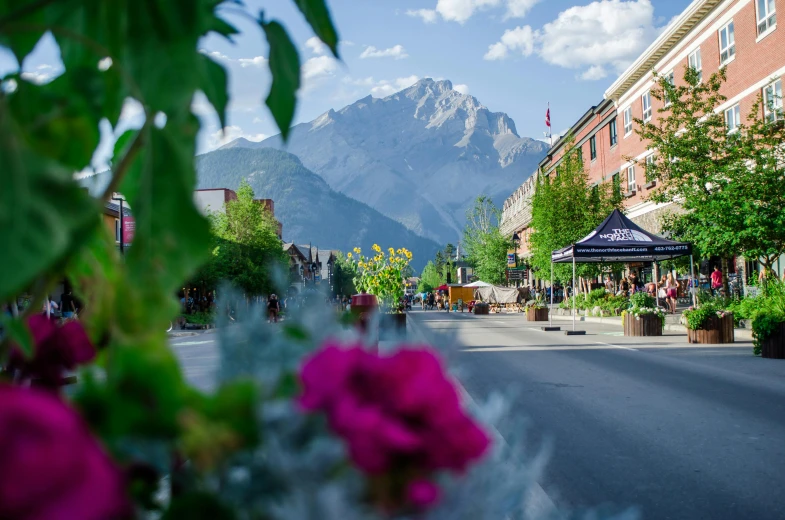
382, 276
643, 317
536, 310
708, 324
766, 312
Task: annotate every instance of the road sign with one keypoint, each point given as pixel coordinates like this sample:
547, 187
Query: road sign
515, 274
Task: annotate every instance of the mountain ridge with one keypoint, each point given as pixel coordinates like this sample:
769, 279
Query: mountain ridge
309, 210
419, 156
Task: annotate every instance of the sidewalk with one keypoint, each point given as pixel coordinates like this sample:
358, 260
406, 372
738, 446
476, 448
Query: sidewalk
671, 323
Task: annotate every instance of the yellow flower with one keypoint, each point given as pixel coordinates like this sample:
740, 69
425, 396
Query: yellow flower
348, 255
392, 251
377, 248
357, 250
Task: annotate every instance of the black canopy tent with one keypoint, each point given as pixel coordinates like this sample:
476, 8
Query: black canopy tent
618, 239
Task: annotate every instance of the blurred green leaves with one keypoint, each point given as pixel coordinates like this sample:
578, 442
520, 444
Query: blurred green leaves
285, 69
318, 16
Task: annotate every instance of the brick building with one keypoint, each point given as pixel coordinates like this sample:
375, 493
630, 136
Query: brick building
740, 35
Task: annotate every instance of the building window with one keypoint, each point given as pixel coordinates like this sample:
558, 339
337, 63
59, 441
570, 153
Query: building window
695, 63
727, 44
772, 101
767, 16
593, 147
670, 79
612, 132
650, 173
646, 104
733, 118
117, 230
627, 121
631, 178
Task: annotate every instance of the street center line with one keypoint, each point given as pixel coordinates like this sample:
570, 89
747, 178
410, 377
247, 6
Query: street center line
616, 346
192, 343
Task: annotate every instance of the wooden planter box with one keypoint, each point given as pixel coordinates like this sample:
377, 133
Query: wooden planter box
716, 330
647, 325
533, 314
773, 347
393, 322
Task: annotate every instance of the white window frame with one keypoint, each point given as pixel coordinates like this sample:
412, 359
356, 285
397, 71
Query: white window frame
631, 184
646, 106
694, 61
649, 164
627, 121
593, 148
729, 51
773, 106
117, 230
613, 136
733, 118
766, 19
671, 77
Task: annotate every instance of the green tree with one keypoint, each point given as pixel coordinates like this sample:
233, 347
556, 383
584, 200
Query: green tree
729, 183
430, 278
247, 249
566, 208
344, 272
486, 248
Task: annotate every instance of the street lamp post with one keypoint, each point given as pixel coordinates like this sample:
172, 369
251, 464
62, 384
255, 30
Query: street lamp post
515, 241
122, 224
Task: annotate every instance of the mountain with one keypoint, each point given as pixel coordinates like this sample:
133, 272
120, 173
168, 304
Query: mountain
419, 156
310, 211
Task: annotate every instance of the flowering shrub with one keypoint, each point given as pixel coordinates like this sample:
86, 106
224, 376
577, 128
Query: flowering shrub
52, 466
381, 274
400, 416
695, 318
637, 312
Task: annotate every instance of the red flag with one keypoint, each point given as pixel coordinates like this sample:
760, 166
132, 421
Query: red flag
548, 117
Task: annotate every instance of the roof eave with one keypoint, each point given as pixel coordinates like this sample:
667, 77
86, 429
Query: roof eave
673, 34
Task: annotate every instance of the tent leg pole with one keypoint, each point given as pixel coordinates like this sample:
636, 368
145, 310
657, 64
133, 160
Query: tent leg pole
573, 290
656, 284
550, 312
692, 281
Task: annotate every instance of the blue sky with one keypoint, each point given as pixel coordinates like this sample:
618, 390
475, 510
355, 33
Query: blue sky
515, 56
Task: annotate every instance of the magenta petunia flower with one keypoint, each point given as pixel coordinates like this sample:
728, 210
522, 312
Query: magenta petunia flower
396, 413
52, 467
422, 493
57, 349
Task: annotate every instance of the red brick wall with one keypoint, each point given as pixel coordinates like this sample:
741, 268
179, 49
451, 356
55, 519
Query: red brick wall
754, 61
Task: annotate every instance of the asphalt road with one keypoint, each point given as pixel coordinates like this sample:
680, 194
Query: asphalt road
681, 431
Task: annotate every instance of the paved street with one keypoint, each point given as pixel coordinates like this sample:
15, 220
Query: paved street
683, 432
199, 358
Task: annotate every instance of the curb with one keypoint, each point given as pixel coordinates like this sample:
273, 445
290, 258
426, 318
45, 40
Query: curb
744, 334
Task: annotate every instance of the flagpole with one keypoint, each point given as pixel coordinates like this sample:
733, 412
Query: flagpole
550, 127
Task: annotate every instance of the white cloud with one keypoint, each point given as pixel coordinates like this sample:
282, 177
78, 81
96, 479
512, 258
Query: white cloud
461, 10
257, 61
463, 89
41, 74
605, 33
319, 67
594, 72
360, 82
229, 134
257, 120
317, 46
427, 15
519, 8
396, 52
521, 39
385, 88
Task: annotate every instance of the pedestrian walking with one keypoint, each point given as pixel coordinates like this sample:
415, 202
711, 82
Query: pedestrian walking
68, 305
716, 280
671, 291
273, 308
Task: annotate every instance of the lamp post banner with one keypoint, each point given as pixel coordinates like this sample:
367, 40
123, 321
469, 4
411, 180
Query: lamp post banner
129, 227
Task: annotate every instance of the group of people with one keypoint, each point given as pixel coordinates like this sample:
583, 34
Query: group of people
433, 300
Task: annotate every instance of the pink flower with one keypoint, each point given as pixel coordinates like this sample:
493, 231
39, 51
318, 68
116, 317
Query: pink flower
422, 493
52, 467
57, 349
394, 411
